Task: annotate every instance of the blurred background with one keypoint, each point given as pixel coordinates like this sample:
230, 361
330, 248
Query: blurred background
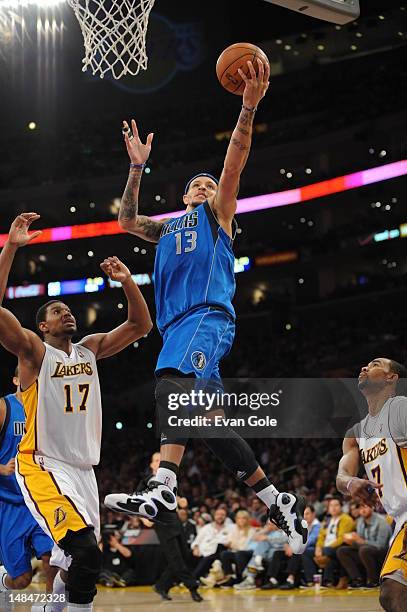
321, 285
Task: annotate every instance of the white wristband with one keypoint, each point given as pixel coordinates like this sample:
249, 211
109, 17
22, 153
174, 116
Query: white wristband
349, 482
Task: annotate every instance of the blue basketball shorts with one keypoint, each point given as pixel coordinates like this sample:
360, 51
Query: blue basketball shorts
195, 343
20, 538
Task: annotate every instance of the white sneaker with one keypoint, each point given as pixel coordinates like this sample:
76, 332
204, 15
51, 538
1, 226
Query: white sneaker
288, 514
154, 503
248, 584
255, 567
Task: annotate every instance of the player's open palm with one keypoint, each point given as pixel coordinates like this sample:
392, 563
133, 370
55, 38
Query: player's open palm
18, 234
138, 152
115, 269
256, 85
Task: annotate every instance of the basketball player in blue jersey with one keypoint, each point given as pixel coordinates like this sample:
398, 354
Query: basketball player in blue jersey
194, 287
20, 534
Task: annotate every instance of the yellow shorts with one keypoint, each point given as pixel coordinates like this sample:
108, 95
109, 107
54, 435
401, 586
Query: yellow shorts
391, 564
60, 496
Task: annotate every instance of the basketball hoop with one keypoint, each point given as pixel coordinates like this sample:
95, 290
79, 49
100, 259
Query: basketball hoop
114, 35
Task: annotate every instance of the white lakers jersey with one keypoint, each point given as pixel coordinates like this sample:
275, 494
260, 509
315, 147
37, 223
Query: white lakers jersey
63, 408
382, 442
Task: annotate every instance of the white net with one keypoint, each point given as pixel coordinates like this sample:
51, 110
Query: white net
114, 35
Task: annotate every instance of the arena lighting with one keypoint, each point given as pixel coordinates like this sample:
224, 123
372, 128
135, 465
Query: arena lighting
140, 279
242, 264
14, 4
245, 205
386, 235
24, 291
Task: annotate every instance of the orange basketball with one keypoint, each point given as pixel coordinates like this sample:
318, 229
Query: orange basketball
233, 58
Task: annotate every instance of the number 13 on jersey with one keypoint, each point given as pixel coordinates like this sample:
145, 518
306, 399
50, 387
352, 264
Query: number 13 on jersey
190, 242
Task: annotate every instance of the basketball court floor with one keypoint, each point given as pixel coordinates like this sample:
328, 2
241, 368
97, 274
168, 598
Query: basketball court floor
142, 599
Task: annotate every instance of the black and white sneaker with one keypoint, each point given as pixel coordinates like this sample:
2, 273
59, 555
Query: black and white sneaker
156, 503
288, 514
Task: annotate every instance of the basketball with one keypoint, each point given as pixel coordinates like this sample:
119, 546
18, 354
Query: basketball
233, 58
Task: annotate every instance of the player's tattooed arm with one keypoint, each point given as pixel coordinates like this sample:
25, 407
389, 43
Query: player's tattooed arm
129, 219
239, 148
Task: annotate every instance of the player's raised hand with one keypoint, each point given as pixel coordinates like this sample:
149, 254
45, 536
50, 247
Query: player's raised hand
115, 269
18, 234
256, 85
138, 152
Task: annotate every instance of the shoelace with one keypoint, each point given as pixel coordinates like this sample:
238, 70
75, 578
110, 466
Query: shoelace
279, 521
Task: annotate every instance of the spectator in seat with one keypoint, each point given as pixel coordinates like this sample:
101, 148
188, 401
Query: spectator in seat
329, 540
211, 540
366, 550
238, 553
264, 545
117, 559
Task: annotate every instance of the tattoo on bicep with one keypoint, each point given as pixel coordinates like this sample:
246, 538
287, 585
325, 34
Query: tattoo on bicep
129, 201
236, 143
150, 228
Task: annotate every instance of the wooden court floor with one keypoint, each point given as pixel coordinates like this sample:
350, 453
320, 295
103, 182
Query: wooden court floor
142, 599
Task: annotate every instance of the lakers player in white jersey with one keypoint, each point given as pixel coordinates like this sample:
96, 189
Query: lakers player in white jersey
379, 442
61, 397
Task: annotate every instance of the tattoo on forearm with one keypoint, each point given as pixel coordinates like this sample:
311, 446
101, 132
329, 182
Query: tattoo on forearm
129, 201
246, 118
243, 131
235, 142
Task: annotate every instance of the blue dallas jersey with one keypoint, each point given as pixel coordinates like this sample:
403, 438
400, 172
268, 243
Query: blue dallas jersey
194, 266
10, 436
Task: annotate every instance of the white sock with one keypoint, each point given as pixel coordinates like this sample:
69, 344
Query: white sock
72, 607
58, 588
3, 574
167, 477
258, 559
268, 495
273, 581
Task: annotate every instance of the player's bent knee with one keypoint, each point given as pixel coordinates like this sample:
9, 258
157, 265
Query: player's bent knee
85, 566
23, 581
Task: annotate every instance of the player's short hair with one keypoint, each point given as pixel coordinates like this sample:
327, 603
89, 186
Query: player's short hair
41, 315
311, 507
398, 368
187, 186
401, 370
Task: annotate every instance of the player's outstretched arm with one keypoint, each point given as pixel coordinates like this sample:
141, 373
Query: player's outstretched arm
347, 481
18, 236
129, 219
138, 322
239, 147
22, 342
